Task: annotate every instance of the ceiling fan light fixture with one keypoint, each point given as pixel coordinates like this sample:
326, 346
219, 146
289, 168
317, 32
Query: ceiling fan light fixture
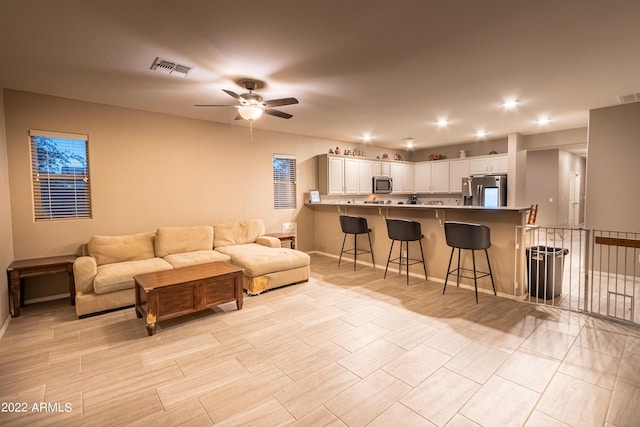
250, 112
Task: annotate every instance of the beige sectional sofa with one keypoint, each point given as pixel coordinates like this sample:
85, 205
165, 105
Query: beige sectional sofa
104, 276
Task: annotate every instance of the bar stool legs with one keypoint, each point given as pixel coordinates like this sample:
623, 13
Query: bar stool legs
404, 231
472, 237
355, 225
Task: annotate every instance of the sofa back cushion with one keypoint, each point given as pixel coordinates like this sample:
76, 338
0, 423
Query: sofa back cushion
237, 233
177, 240
130, 247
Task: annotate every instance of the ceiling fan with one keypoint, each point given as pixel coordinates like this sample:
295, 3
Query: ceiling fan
251, 105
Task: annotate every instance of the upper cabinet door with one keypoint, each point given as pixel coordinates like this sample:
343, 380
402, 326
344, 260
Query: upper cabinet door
397, 174
336, 175
499, 164
458, 169
366, 174
351, 176
440, 177
407, 178
495, 164
422, 178
479, 166
381, 169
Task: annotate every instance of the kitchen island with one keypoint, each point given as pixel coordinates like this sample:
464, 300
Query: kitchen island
503, 222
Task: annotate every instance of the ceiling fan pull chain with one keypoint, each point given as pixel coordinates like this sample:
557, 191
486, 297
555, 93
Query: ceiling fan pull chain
251, 132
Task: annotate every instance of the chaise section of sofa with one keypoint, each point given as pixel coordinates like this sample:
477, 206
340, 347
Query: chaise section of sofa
266, 265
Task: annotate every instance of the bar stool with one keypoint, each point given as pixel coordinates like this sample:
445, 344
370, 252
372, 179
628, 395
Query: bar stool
407, 231
473, 237
355, 225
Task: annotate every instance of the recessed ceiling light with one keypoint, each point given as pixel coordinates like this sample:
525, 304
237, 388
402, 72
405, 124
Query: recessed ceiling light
542, 121
442, 123
481, 133
366, 138
510, 104
409, 142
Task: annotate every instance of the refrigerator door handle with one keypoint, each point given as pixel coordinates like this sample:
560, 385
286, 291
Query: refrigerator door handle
479, 190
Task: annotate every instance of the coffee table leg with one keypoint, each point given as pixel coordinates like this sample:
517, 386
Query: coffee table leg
151, 324
152, 302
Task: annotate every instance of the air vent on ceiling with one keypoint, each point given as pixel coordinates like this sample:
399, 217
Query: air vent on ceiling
171, 67
625, 99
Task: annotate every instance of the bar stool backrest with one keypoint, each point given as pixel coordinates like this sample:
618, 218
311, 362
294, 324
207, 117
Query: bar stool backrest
465, 235
403, 230
353, 224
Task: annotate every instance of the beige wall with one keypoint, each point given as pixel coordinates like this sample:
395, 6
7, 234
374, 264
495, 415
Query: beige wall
612, 168
6, 247
150, 170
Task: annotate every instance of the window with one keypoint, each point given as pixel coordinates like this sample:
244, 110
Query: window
284, 181
60, 173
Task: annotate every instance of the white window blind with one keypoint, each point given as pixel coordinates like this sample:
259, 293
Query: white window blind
60, 173
284, 181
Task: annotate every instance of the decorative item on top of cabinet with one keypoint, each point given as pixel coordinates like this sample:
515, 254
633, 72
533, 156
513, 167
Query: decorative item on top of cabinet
436, 156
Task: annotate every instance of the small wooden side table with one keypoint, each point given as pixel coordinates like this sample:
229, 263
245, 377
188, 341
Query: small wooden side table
23, 268
285, 238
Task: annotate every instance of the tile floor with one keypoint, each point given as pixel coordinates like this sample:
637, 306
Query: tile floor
346, 348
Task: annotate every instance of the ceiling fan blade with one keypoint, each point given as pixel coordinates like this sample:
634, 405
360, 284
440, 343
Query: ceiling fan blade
214, 105
232, 94
280, 102
277, 113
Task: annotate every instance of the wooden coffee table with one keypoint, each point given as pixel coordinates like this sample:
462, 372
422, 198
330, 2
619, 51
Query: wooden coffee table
165, 294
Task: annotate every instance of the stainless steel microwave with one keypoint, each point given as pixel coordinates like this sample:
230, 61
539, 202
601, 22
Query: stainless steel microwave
382, 185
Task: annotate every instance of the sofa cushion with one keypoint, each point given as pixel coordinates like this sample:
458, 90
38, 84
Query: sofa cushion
130, 247
258, 260
118, 276
237, 233
176, 240
195, 257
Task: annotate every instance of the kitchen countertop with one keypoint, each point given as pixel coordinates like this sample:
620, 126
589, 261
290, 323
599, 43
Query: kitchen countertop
418, 206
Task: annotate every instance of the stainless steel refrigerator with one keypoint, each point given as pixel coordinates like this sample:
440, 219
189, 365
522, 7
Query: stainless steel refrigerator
489, 191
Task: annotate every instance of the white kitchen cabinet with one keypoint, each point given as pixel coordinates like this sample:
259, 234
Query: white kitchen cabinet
440, 177
366, 173
351, 176
336, 176
339, 175
458, 169
494, 164
381, 168
402, 175
407, 178
422, 177
431, 177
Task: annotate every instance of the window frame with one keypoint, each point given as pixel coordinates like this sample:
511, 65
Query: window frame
63, 194
285, 190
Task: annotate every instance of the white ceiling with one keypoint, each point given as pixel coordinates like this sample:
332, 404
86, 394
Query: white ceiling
388, 68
